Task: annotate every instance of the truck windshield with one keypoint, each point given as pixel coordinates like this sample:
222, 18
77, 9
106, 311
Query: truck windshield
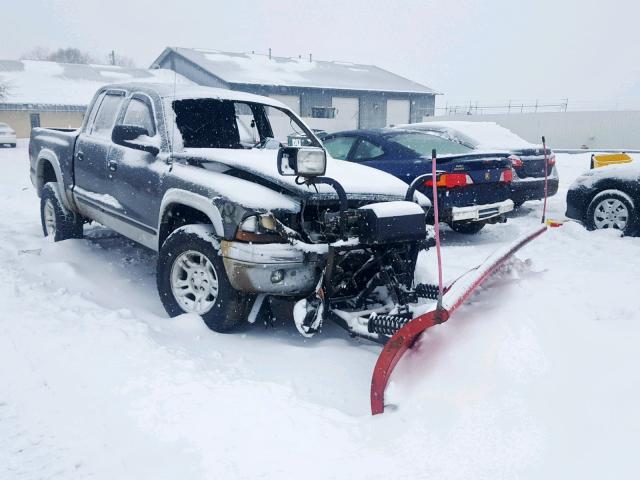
214, 123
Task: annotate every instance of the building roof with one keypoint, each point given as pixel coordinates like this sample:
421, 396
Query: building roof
257, 69
41, 82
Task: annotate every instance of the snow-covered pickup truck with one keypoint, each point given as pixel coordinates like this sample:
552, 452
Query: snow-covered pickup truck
239, 198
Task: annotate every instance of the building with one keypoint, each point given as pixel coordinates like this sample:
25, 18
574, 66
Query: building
328, 95
51, 94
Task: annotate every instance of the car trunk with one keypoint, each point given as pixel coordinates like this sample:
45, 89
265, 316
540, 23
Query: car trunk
532, 162
485, 171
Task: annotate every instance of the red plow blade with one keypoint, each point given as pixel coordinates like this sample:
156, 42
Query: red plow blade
454, 296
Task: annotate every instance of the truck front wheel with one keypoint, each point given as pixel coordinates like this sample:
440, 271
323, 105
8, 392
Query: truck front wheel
58, 222
191, 278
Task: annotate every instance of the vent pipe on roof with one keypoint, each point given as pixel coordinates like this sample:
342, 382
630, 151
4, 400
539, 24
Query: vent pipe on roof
269, 53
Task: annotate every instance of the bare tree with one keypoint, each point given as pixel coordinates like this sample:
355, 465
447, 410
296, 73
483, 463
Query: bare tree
71, 55
62, 55
4, 89
37, 53
120, 60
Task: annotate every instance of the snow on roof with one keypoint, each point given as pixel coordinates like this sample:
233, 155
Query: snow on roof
256, 69
482, 135
35, 81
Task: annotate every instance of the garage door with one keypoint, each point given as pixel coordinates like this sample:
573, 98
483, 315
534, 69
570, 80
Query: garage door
347, 112
397, 112
291, 101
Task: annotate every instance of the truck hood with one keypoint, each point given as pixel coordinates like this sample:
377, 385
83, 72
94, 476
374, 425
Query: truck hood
360, 182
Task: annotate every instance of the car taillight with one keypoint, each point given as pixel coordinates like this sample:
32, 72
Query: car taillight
551, 161
450, 180
506, 175
516, 162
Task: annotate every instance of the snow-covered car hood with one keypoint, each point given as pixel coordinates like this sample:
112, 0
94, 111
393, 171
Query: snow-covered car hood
625, 171
359, 181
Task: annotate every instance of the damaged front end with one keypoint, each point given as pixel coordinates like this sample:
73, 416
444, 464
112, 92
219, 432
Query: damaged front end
367, 283
351, 261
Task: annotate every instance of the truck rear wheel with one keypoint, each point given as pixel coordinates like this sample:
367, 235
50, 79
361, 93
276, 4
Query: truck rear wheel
58, 221
468, 228
191, 278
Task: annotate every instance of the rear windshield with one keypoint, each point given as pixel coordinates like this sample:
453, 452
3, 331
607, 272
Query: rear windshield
424, 143
214, 123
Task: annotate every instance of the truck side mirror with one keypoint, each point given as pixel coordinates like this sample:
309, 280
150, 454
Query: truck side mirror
302, 161
126, 135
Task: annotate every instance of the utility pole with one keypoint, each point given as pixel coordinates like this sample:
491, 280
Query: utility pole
112, 57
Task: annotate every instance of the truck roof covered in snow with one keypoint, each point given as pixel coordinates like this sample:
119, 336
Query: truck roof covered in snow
187, 91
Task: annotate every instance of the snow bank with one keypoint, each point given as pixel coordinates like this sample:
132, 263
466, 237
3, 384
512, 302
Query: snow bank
33, 81
535, 378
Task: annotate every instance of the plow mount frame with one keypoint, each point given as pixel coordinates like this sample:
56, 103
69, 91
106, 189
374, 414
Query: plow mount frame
454, 296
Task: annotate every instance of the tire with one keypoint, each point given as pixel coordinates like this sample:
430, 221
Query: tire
58, 221
612, 209
189, 263
13, 145
468, 228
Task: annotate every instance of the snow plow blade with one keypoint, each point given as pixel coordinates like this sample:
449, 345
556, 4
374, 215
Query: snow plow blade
454, 295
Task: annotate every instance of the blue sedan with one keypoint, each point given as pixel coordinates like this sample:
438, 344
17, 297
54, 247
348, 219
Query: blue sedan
473, 187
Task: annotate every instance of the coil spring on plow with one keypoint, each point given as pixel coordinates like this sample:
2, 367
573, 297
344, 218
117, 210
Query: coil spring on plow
386, 324
426, 290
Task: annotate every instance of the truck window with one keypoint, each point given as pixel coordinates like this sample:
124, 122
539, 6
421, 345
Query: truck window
106, 116
286, 130
138, 113
216, 123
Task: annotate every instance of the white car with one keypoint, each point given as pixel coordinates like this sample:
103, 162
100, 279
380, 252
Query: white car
7, 135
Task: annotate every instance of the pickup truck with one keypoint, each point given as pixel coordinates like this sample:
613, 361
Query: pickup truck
241, 202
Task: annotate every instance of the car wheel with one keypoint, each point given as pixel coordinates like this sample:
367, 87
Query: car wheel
57, 221
611, 209
13, 145
468, 228
191, 278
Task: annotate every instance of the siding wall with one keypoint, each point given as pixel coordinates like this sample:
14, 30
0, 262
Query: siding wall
593, 130
20, 120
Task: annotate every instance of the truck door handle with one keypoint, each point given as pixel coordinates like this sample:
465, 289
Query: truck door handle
113, 165
80, 156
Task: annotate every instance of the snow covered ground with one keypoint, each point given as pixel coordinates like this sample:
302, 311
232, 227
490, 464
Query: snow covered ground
537, 377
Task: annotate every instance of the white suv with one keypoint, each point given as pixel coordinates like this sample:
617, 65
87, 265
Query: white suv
7, 135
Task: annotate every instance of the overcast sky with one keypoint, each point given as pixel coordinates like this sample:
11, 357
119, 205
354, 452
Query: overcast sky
492, 50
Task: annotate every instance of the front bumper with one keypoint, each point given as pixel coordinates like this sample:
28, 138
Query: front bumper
274, 269
526, 189
577, 202
477, 213
4, 139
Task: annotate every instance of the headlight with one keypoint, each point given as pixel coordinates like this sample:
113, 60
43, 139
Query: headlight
260, 229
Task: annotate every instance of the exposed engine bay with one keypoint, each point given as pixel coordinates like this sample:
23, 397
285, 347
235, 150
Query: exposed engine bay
367, 284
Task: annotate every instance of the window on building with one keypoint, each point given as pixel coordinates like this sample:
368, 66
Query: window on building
323, 112
138, 113
106, 115
35, 120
